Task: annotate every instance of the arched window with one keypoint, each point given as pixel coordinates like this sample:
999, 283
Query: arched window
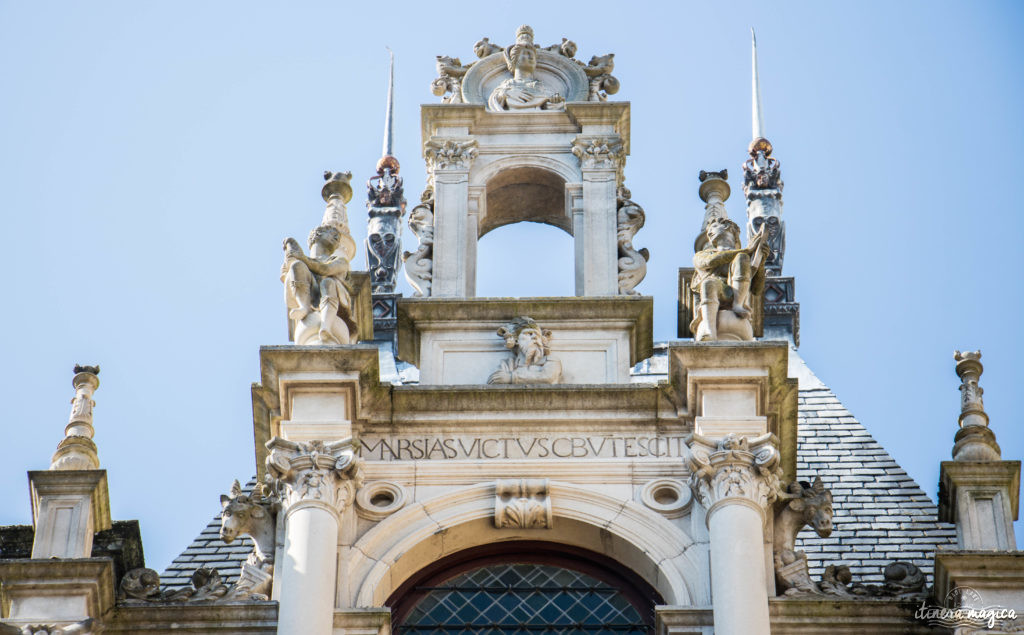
524, 587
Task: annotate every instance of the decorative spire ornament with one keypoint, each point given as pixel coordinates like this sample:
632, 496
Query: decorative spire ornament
77, 451
386, 206
762, 182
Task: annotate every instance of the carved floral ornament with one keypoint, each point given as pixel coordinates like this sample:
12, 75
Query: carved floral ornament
327, 473
522, 504
87, 626
735, 468
448, 154
598, 153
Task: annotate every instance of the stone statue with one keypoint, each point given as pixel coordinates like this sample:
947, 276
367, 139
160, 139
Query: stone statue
419, 264
315, 290
450, 72
801, 505
530, 346
251, 515
725, 276
523, 91
599, 72
632, 262
762, 185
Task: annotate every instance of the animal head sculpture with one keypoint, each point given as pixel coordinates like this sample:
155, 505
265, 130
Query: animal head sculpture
244, 514
813, 504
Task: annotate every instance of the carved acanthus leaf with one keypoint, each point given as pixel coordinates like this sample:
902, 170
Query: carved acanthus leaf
329, 473
522, 504
448, 154
734, 467
598, 152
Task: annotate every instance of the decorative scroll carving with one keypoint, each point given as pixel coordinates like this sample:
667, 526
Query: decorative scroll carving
483, 48
419, 264
448, 84
597, 153
384, 235
251, 515
522, 504
800, 505
143, 585
975, 441
88, 626
523, 91
734, 467
903, 580
450, 155
762, 185
632, 262
315, 286
530, 346
328, 473
77, 451
599, 72
725, 277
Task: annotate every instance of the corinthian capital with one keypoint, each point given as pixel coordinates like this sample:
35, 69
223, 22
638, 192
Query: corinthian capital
449, 154
734, 469
598, 153
316, 471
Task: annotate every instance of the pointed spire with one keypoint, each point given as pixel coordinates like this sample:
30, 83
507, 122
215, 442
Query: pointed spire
755, 89
389, 114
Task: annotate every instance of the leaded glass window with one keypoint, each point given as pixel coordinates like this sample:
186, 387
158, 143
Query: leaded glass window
522, 597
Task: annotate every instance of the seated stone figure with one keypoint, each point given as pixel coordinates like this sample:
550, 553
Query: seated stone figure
725, 275
530, 364
523, 91
318, 301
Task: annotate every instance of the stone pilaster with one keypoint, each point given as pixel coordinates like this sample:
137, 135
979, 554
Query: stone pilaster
317, 482
735, 479
601, 163
978, 491
448, 164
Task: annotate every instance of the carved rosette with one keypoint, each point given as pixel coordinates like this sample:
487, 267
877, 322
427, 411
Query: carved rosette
522, 504
449, 154
975, 441
316, 472
77, 451
598, 153
734, 470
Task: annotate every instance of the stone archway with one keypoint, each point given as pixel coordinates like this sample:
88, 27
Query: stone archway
640, 540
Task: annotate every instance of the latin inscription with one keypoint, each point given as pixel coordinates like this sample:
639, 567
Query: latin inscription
428, 448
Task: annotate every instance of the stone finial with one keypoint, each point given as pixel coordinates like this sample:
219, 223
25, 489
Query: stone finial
714, 191
77, 451
530, 346
975, 441
632, 262
316, 294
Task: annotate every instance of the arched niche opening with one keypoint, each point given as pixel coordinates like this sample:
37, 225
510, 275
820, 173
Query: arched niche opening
525, 194
524, 585
527, 260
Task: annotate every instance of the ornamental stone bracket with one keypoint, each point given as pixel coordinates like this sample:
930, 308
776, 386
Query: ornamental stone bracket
735, 469
522, 504
318, 473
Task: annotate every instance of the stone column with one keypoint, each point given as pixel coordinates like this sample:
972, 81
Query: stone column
735, 478
448, 163
318, 481
977, 490
597, 270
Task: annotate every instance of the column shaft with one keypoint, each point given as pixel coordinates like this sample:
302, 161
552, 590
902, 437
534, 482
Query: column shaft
308, 571
738, 581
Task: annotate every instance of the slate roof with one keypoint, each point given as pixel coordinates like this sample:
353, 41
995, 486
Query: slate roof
879, 513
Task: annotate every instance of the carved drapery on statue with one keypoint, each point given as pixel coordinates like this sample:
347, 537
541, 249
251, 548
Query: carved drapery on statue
542, 78
522, 504
530, 347
316, 287
419, 264
384, 234
632, 262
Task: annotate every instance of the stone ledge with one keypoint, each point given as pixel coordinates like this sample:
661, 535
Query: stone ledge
816, 615
60, 582
953, 474
229, 618
997, 575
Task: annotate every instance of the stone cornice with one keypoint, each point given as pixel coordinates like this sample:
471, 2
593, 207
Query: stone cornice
992, 474
88, 482
980, 570
93, 577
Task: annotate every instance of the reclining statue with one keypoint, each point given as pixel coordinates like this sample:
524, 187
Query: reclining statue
725, 277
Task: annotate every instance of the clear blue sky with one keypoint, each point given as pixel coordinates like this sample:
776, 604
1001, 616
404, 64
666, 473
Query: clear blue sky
154, 155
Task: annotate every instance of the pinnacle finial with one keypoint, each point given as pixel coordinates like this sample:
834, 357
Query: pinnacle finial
390, 111
757, 115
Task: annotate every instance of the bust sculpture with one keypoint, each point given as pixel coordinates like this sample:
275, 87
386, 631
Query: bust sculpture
530, 346
725, 275
523, 91
315, 291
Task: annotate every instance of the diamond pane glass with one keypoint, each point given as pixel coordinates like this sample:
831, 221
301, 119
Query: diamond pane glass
523, 598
